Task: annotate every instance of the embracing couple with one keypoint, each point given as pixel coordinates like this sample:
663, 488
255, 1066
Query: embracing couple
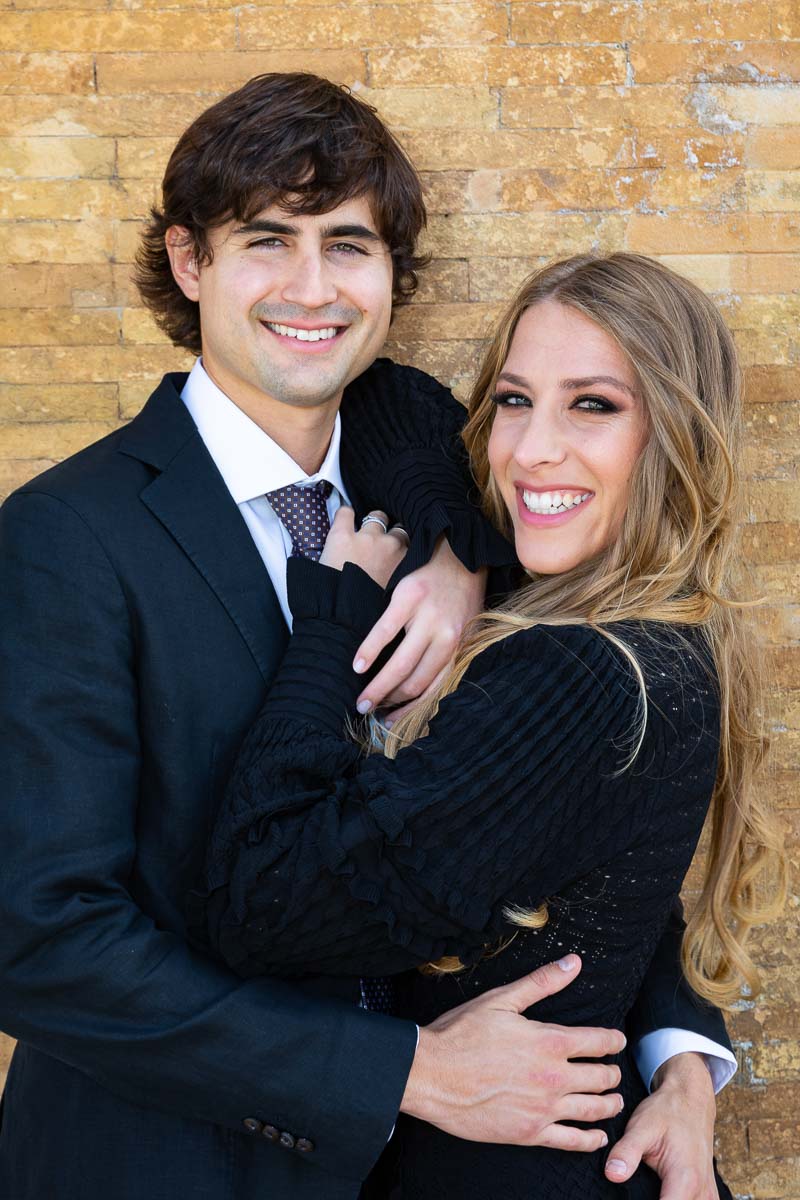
319, 700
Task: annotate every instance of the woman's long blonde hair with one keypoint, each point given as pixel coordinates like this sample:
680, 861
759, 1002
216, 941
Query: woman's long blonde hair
673, 562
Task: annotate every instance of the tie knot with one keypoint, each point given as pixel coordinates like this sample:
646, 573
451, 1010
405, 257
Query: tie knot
303, 511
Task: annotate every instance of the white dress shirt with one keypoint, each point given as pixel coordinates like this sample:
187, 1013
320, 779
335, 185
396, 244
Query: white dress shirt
251, 464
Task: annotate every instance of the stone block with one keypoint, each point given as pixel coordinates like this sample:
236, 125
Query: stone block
759, 62
35, 285
58, 402
127, 235
661, 233
86, 32
134, 394
534, 65
773, 191
476, 23
58, 327
686, 21
89, 364
537, 234
445, 280
144, 157
444, 322
323, 28
771, 384
55, 241
449, 107
139, 327
46, 74
214, 73
773, 149
73, 199
435, 66
52, 440
56, 157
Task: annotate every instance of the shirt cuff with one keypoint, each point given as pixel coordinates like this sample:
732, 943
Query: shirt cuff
654, 1049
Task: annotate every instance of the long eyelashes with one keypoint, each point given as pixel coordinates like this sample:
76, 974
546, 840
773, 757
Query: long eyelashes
597, 404
510, 400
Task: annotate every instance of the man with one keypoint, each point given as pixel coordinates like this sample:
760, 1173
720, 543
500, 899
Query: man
143, 613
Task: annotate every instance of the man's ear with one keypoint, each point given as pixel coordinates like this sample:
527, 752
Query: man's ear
183, 260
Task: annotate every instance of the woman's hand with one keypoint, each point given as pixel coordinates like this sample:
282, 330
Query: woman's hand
673, 1132
377, 551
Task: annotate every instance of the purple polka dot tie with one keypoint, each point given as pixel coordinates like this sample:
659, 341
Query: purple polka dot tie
303, 511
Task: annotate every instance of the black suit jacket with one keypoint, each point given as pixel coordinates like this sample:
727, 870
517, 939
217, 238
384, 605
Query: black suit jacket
138, 630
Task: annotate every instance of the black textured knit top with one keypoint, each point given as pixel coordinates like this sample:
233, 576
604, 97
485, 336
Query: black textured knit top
328, 862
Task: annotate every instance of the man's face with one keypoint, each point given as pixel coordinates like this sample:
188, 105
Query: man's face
292, 308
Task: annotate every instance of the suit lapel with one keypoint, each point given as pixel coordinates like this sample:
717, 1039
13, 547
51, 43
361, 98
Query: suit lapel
190, 499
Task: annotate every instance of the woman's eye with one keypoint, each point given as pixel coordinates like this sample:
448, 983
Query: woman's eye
510, 400
594, 404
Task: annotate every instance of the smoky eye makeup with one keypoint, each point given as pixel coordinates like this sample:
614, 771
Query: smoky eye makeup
510, 399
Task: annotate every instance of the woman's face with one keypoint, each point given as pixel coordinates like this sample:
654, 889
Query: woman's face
568, 428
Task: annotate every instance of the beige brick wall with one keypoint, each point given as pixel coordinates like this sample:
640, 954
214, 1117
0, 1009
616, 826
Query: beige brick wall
664, 126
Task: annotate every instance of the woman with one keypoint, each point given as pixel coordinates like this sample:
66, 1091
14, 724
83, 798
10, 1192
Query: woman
549, 797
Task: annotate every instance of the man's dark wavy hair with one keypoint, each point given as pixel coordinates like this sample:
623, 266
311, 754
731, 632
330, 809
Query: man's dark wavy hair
290, 139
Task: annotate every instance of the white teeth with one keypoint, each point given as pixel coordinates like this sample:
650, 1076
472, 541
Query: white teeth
302, 335
550, 503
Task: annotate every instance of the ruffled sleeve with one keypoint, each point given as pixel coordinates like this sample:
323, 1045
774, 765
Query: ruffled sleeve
402, 451
326, 861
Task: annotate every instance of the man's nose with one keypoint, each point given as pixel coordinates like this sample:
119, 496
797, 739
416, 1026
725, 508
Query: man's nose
309, 281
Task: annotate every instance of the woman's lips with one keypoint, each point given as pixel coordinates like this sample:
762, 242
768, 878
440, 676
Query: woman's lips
545, 520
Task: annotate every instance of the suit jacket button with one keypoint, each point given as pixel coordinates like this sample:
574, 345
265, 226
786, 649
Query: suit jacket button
252, 1125
287, 1140
270, 1133
304, 1145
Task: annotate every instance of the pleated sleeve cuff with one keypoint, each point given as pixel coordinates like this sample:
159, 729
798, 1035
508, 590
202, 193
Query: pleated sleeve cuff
333, 612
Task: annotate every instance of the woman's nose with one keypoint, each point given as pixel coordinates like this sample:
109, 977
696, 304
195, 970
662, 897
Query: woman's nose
542, 442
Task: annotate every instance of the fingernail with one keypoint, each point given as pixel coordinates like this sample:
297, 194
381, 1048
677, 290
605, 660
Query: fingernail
388, 723
616, 1166
568, 963
621, 1106
364, 706
359, 665
605, 1140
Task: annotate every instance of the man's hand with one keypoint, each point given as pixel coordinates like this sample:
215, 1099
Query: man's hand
432, 605
485, 1073
673, 1132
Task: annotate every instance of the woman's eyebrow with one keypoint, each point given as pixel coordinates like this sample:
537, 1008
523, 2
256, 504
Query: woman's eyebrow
509, 378
571, 385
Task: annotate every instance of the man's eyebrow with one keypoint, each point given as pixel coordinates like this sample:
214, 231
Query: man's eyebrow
262, 225
357, 231
572, 385
259, 225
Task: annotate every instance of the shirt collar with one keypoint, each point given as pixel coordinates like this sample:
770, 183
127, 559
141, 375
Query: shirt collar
247, 458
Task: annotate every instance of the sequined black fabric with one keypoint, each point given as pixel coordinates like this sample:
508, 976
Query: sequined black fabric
326, 862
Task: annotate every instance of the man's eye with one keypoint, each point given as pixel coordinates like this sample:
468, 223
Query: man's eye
595, 404
510, 400
347, 248
267, 242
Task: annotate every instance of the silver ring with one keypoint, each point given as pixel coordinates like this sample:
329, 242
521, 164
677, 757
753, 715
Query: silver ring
377, 521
